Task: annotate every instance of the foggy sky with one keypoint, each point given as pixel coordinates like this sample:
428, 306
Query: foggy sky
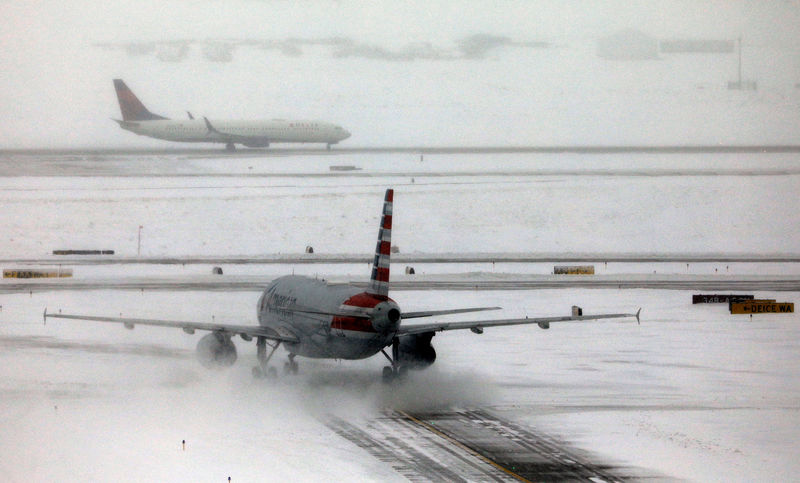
400, 73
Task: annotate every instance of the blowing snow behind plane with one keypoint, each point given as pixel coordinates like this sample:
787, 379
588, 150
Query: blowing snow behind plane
253, 134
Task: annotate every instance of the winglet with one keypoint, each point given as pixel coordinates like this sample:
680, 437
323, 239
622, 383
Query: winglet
637, 316
190, 115
44, 316
209, 126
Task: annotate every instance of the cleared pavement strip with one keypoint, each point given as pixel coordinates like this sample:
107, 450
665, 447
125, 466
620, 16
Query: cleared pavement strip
487, 282
419, 258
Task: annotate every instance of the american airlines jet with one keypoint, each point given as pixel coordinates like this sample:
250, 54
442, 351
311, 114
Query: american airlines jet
253, 134
313, 318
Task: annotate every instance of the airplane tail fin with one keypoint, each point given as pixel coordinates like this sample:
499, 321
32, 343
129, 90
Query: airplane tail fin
130, 105
379, 281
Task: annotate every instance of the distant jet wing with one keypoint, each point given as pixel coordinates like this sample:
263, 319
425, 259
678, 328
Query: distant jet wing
247, 330
230, 137
477, 326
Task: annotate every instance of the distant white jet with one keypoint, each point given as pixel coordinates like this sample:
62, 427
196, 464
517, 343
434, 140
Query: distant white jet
315, 319
253, 134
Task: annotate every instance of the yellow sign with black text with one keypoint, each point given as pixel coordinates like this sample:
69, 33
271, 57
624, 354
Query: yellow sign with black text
762, 307
30, 273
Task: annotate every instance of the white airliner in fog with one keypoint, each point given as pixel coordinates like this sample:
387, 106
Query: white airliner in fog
253, 134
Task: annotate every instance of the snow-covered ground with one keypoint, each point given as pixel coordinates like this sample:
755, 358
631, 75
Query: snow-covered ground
692, 393
594, 204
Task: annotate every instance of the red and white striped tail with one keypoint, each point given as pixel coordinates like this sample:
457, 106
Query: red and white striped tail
379, 281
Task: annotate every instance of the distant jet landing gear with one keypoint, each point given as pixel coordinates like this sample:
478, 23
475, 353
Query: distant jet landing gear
396, 370
261, 370
328, 146
290, 367
230, 147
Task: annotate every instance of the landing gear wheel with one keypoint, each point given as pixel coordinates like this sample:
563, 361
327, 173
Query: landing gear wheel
261, 369
328, 147
290, 367
402, 372
230, 147
388, 374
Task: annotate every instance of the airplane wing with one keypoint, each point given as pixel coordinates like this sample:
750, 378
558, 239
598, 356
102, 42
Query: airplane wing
477, 326
233, 138
246, 331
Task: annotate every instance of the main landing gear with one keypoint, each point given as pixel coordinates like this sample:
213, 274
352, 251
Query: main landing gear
262, 370
396, 370
290, 366
230, 147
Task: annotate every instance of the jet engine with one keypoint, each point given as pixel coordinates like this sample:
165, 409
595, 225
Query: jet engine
416, 351
216, 350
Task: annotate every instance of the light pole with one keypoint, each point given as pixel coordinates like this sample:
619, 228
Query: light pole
740, 62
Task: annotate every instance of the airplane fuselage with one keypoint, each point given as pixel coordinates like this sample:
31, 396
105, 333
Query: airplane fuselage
251, 133
320, 334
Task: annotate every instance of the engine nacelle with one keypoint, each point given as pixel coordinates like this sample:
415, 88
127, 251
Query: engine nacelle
216, 350
416, 351
257, 144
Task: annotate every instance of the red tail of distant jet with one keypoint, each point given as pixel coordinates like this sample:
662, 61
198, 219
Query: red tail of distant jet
130, 105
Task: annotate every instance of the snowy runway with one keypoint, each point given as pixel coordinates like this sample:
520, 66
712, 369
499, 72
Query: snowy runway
693, 393
692, 384
473, 445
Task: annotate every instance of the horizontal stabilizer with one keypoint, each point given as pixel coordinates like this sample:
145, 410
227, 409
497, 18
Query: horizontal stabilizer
341, 313
430, 313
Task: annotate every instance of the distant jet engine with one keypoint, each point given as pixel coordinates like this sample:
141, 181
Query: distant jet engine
257, 144
416, 351
216, 350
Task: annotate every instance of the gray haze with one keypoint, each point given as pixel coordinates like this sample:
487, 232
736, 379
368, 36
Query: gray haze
404, 73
